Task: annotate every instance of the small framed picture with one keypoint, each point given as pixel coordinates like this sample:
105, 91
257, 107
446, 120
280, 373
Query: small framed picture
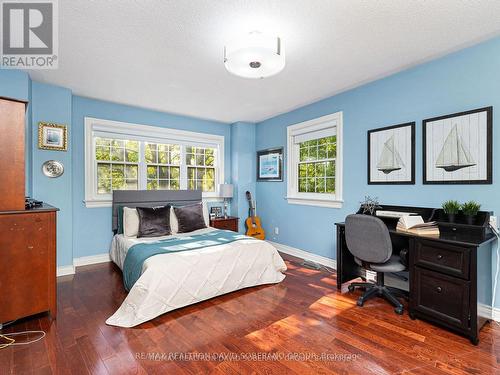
216, 211
458, 148
391, 155
52, 137
270, 164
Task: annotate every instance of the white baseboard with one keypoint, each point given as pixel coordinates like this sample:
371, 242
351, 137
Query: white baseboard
93, 259
488, 312
65, 270
306, 255
83, 261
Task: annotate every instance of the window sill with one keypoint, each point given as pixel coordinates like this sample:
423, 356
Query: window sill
315, 202
108, 203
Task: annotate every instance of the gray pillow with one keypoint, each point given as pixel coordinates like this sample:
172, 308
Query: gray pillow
153, 221
190, 217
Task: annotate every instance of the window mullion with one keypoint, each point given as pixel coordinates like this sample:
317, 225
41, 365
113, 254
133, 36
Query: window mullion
142, 172
183, 169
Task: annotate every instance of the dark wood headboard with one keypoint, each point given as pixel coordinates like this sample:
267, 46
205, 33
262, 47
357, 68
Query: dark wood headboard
151, 198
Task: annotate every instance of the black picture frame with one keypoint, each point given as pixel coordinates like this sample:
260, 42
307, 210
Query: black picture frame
276, 150
216, 210
489, 148
412, 126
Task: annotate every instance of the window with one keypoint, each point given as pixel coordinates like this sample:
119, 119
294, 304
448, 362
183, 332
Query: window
163, 166
121, 156
315, 162
201, 168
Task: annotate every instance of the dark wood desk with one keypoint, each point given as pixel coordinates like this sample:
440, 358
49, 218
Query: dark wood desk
450, 276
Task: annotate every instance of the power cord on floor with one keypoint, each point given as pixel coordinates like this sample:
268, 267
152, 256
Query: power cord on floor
12, 342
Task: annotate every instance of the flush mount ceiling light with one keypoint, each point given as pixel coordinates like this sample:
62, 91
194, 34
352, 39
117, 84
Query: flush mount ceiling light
255, 55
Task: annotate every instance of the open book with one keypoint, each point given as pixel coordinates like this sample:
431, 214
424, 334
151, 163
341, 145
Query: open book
415, 224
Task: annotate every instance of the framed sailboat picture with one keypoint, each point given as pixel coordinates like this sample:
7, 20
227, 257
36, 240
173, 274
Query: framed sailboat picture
457, 148
391, 155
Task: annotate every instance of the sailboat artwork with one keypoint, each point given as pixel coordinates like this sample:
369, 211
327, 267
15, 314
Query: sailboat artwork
389, 160
454, 155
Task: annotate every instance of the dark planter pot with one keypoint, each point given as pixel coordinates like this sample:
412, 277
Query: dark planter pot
470, 219
451, 218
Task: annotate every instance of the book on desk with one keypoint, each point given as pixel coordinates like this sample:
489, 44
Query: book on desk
449, 273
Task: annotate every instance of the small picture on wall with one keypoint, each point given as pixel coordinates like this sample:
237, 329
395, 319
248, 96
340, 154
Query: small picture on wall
52, 137
270, 165
391, 154
457, 148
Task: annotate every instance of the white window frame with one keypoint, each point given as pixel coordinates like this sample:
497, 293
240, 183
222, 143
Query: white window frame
145, 133
314, 199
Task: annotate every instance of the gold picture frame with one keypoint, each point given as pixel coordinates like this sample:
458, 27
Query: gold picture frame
52, 136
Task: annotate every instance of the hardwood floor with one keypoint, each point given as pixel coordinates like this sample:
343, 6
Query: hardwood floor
303, 314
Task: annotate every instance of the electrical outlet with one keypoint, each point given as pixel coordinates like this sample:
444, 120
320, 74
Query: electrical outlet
276, 230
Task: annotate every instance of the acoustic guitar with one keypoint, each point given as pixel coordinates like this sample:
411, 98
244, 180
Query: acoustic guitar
254, 228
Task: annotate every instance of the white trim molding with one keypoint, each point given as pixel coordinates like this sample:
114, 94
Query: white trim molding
82, 261
319, 127
144, 133
65, 270
306, 255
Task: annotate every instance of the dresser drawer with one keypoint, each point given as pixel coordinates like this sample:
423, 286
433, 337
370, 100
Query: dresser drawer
441, 297
449, 259
229, 224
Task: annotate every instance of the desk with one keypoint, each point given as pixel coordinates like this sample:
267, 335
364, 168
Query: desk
450, 275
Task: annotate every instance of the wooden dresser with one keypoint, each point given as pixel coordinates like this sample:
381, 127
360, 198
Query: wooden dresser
28, 266
228, 223
27, 236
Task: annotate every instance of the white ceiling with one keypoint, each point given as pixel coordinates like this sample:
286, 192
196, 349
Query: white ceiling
167, 55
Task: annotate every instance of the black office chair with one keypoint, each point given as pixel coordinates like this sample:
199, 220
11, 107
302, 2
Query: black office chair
368, 239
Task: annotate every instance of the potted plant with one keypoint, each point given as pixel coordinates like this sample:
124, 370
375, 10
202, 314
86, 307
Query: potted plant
451, 208
470, 210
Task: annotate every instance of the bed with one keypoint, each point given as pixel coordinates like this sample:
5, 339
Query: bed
173, 280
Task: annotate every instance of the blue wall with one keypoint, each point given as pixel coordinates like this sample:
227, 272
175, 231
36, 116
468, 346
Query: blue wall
53, 104
464, 80
92, 226
242, 168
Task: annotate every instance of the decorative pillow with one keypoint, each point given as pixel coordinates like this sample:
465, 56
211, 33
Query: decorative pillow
153, 221
174, 224
130, 222
190, 217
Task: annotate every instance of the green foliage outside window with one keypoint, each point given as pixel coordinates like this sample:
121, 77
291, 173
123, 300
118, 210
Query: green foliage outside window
316, 168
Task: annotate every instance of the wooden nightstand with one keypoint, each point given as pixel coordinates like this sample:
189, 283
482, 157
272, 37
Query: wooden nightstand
229, 223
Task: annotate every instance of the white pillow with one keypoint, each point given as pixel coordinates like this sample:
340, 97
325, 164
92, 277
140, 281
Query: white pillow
130, 222
206, 216
174, 224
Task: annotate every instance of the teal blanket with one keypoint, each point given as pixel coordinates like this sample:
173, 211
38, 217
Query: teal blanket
137, 254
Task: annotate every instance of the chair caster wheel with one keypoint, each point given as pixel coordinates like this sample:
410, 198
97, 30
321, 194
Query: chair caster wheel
399, 310
412, 316
350, 288
360, 302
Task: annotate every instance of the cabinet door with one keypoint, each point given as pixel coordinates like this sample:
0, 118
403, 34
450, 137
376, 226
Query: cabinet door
24, 269
441, 297
12, 155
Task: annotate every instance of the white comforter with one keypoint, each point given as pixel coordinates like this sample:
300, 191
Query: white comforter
174, 280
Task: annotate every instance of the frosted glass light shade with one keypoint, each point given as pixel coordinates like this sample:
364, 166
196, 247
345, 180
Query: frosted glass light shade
226, 190
255, 55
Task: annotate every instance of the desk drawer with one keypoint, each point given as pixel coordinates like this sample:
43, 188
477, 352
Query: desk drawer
441, 297
449, 259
